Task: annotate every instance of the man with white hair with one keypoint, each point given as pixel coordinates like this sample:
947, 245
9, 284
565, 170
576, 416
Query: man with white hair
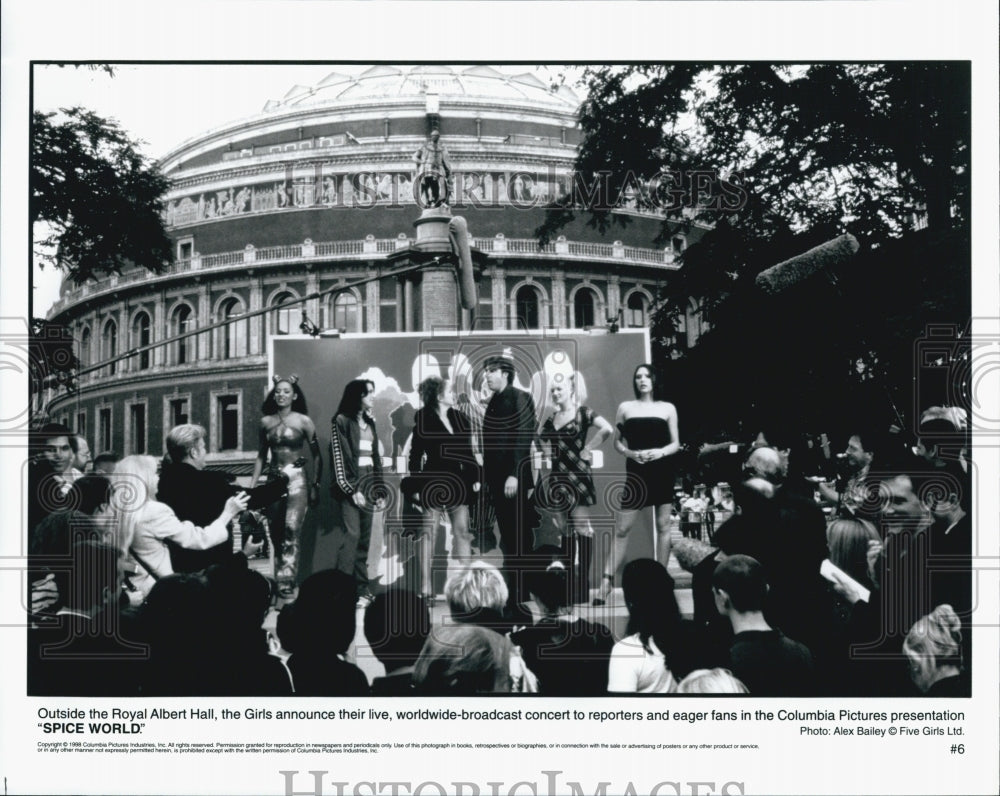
199, 495
82, 459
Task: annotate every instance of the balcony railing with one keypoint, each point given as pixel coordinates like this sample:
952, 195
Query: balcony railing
370, 248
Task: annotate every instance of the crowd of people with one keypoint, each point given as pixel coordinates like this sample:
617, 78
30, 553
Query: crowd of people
847, 575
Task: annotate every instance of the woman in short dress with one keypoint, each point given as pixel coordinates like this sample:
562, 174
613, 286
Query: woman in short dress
287, 434
647, 437
568, 488
444, 475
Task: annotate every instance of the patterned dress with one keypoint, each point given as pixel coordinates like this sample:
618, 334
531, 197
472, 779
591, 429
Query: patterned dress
569, 483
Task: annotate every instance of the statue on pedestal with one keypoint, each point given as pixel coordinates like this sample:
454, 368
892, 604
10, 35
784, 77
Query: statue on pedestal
433, 171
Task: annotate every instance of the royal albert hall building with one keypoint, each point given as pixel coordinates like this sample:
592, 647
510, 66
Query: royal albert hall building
316, 191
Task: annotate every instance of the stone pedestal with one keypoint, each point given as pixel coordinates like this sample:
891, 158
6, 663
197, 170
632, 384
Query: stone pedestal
439, 299
432, 230
438, 284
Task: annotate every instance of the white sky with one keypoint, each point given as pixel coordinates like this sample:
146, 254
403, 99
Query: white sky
167, 109
162, 105
166, 104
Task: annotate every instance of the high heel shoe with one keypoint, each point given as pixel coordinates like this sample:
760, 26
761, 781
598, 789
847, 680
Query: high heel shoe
607, 586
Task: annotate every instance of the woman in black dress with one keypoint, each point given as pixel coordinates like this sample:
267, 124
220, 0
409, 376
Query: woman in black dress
568, 488
647, 437
444, 475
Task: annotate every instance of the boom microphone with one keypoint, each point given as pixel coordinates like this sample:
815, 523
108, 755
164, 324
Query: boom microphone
786, 274
458, 234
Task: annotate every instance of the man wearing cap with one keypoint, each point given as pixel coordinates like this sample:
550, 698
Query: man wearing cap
508, 428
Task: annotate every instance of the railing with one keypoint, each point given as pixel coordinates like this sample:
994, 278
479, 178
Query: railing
339, 248
371, 247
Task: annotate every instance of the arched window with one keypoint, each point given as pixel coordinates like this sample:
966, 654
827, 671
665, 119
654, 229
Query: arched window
234, 334
635, 310
283, 321
583, 308
141, 337
84, 355
526, 311
184, 350
109, 345
345, 312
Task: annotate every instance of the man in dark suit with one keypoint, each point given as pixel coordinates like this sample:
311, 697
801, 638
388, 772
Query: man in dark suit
508, 428
198, 495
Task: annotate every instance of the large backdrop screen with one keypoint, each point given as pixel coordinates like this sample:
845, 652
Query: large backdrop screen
602, 364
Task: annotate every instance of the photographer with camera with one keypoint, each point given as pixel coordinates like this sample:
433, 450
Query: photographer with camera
199, 495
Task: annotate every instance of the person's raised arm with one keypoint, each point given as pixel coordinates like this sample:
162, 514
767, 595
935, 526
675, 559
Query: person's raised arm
164, 524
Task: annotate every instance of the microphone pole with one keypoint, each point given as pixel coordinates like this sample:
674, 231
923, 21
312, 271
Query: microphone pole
823, 258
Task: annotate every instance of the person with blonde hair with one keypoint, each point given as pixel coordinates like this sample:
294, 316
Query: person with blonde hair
711, 681
142, 524
477, 595
933, 648
567, 490
855, 547
199, 495
464, 660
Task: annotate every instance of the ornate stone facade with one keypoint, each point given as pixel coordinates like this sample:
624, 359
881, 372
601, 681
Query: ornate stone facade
317, 191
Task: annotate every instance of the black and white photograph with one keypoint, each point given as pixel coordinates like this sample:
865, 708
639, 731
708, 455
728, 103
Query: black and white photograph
476, 400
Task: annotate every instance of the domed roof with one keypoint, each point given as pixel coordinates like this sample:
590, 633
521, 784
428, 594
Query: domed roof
448, 82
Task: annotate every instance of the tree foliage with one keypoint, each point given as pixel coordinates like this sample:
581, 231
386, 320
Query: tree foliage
878, 150
52, 360
95, 198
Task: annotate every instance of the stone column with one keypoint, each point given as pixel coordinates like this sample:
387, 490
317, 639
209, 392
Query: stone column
372, 299
160, 330
312, 305
559, 299
204, 319
614, 294
408, 304
255, 333
499, 287
125, 342
399, 307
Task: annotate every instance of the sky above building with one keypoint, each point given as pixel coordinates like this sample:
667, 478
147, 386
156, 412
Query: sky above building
164, 105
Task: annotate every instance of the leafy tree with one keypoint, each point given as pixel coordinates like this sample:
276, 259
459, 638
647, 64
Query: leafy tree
813, 151
51, 359
95, 199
